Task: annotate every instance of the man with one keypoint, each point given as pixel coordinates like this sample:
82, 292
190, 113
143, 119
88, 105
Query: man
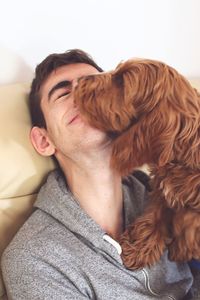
68, 248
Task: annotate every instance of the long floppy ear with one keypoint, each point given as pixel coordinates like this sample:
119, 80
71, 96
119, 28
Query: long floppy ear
125, 76
41, 142
138, 78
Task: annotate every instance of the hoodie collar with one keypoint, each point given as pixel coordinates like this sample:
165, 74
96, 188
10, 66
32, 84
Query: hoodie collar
56, 199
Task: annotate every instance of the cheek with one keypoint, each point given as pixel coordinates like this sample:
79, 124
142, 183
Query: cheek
53, 114
57, 116
52, 123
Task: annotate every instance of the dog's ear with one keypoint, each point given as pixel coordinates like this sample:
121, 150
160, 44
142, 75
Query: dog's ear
138, 78
125, 79
118, 80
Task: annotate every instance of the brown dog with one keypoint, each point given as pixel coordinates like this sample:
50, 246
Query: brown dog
153, 114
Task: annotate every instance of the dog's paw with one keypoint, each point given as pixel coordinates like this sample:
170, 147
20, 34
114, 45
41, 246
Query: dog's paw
179, 251
142, 248
140, 256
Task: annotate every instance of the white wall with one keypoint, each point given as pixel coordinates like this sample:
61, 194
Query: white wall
110, 30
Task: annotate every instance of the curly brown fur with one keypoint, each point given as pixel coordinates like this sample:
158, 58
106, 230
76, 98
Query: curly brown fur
153, 114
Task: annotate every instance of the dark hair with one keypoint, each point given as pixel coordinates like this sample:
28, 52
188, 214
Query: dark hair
43, 70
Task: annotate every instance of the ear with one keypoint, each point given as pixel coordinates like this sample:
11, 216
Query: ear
41, 142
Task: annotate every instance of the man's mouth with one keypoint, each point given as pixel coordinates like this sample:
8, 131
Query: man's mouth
73, 119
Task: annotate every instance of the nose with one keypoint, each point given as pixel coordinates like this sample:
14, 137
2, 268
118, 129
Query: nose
72, 100
74, 83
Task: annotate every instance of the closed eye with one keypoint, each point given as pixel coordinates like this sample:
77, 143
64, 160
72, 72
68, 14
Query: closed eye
64, 94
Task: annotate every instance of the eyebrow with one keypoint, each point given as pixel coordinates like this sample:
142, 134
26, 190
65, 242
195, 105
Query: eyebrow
59, 85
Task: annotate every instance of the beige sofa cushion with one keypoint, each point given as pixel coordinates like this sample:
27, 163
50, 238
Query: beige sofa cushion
22, 169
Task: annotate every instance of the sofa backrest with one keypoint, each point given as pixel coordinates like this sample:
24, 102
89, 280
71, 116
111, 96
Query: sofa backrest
22, 170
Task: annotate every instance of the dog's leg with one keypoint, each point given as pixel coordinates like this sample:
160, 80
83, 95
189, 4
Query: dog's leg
179, 184
145, 241
186, 233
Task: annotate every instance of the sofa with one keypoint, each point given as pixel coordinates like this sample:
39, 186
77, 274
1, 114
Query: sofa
22, 169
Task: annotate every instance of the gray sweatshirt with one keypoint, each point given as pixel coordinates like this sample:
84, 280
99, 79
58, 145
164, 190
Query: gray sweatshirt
61, 253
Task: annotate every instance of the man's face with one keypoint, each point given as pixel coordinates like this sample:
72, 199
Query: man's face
66, 130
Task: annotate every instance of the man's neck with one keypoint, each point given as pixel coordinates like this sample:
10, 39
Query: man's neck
98, 190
